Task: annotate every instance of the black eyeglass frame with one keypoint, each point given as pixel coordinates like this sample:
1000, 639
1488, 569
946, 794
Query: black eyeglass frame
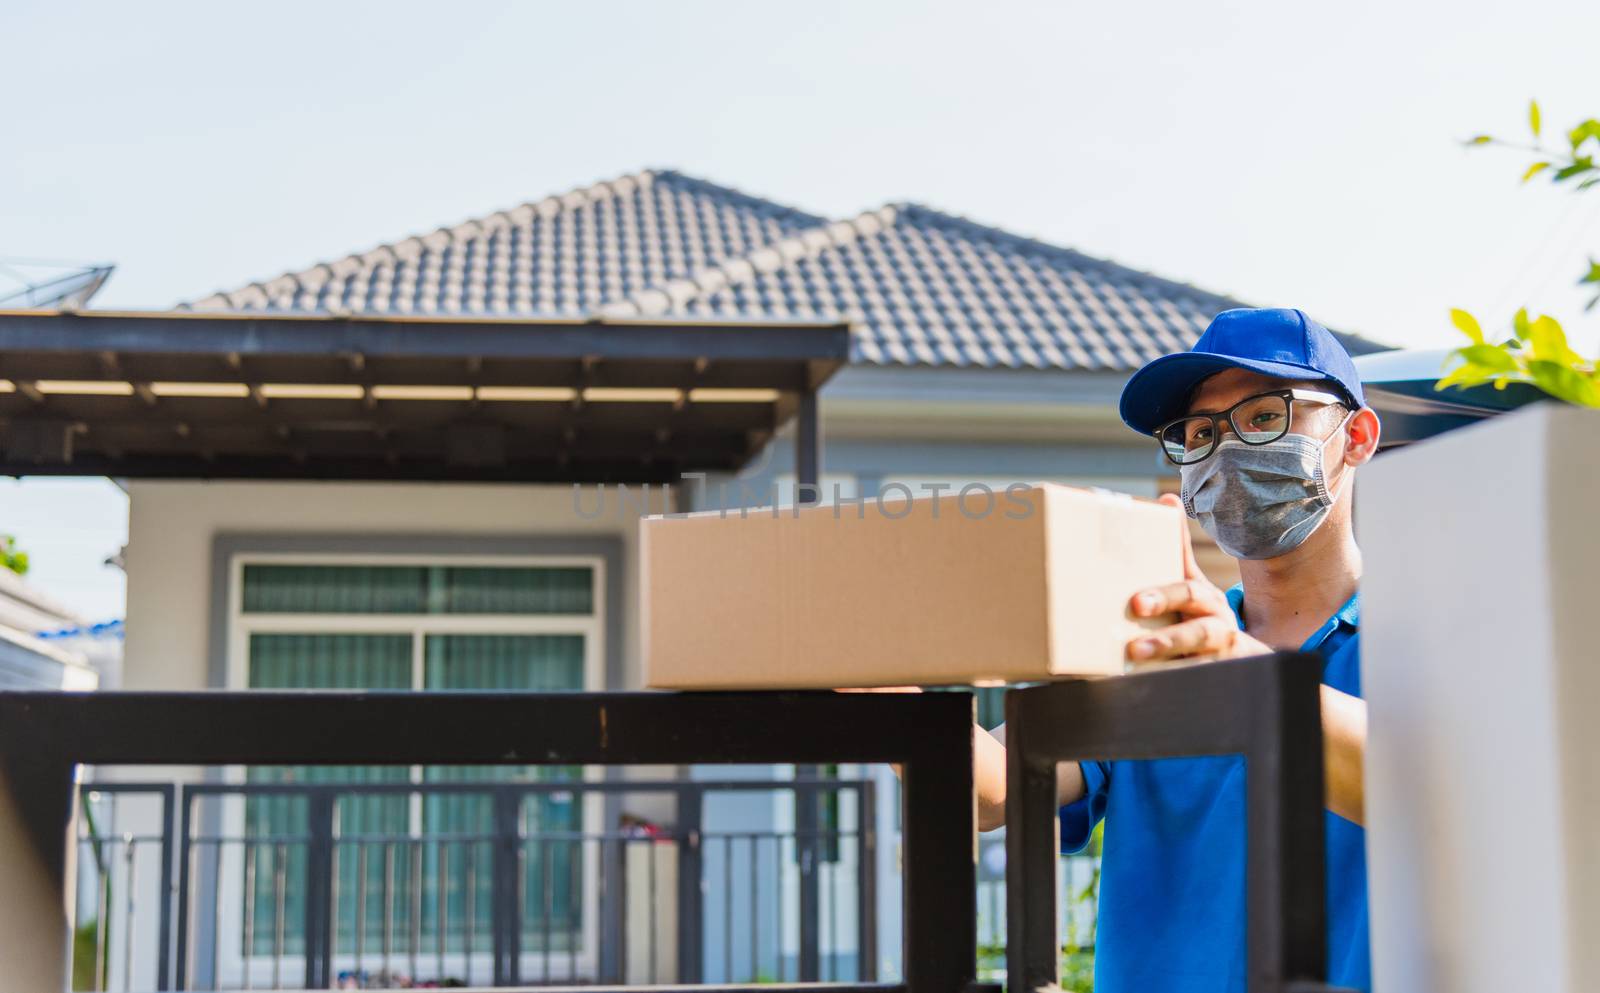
1289, 397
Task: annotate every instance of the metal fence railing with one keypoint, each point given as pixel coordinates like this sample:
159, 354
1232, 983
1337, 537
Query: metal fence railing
228, 885
1264, 708
1077, 900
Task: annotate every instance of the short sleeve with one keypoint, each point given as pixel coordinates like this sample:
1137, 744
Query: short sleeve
1078, 819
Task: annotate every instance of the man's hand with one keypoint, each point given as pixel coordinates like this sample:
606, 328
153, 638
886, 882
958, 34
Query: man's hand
1207, 627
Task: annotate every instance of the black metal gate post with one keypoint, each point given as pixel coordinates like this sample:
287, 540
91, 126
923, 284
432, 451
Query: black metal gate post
1267, 709
506, 888
940, 846
319, 884
867, 882
808, 800
43, 736
691, 884
808, 856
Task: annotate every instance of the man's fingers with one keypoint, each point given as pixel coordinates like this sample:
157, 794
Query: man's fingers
878, 689
1191, 568
1191, 597
1202, 635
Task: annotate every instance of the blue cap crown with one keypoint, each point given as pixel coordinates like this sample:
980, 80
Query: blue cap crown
1274, 342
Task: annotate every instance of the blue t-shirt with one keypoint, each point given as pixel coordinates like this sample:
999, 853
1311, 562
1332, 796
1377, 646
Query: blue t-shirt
1172, 883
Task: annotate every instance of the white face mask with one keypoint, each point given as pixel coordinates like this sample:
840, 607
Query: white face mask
1261, 501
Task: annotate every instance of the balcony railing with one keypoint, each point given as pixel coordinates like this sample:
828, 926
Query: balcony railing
236, 878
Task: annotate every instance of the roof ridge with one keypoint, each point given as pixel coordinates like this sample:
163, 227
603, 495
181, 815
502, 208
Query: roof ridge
804, 244
735, 193
911, 210
1027, 242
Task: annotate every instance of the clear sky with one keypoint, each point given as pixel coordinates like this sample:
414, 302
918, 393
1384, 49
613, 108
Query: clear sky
1287, 154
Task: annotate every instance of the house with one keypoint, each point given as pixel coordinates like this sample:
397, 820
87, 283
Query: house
382, 536
44, 645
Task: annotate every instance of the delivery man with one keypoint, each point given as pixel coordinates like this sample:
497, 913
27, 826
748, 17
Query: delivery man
1265, 423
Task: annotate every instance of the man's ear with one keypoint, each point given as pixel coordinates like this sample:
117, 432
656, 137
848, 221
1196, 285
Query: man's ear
1361, 437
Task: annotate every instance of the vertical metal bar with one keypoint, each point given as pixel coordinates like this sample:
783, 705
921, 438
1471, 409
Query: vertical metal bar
85, 852
164, 931
131, 881
808, 827
280, 887
755, 913
807, 448
219, 850
520, 899
691, 880
414, 914
333, 912
829, 875
1032, 844
247, 947
613, 910
547, 898
317, 919
361, 907
867, 884
185, 889
574, 906
470, 939
505, 915
727, 908
941, 933
782, 968
442, 905
388, 904
650, 852
1284, 863
102, 901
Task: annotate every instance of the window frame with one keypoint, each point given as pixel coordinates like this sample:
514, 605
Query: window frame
241, 625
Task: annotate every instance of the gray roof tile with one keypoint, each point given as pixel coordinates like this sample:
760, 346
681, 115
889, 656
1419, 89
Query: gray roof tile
924, 287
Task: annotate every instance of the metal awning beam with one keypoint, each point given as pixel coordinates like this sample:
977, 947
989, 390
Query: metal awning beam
270, 396
212, 334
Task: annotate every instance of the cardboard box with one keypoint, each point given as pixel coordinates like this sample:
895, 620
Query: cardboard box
1020, 585
1482, 681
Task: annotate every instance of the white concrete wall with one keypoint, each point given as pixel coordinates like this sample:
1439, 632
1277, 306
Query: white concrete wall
172, 525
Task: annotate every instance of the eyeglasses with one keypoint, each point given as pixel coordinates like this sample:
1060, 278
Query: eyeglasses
1255, 420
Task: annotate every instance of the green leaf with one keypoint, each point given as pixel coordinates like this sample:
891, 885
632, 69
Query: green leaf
1533, 116
1548, 342
1578, 166
1534, 170
1467, 324
1465, 377
1592, 180
1520, 323
1593, 274
1565, 383
1490, 357
1480, 139
1583, 132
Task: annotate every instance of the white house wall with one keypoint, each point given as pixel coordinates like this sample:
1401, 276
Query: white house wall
173, 526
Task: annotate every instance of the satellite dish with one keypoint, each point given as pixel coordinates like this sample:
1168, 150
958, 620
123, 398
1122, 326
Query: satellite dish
37, 284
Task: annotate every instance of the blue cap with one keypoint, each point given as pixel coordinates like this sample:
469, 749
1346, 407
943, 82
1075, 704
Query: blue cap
1282, 343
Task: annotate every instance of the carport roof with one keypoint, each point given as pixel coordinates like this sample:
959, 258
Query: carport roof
315, 396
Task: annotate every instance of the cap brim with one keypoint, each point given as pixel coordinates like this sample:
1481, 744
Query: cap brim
1159, 392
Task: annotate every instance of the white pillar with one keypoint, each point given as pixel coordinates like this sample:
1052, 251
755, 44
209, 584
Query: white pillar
1480, 665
